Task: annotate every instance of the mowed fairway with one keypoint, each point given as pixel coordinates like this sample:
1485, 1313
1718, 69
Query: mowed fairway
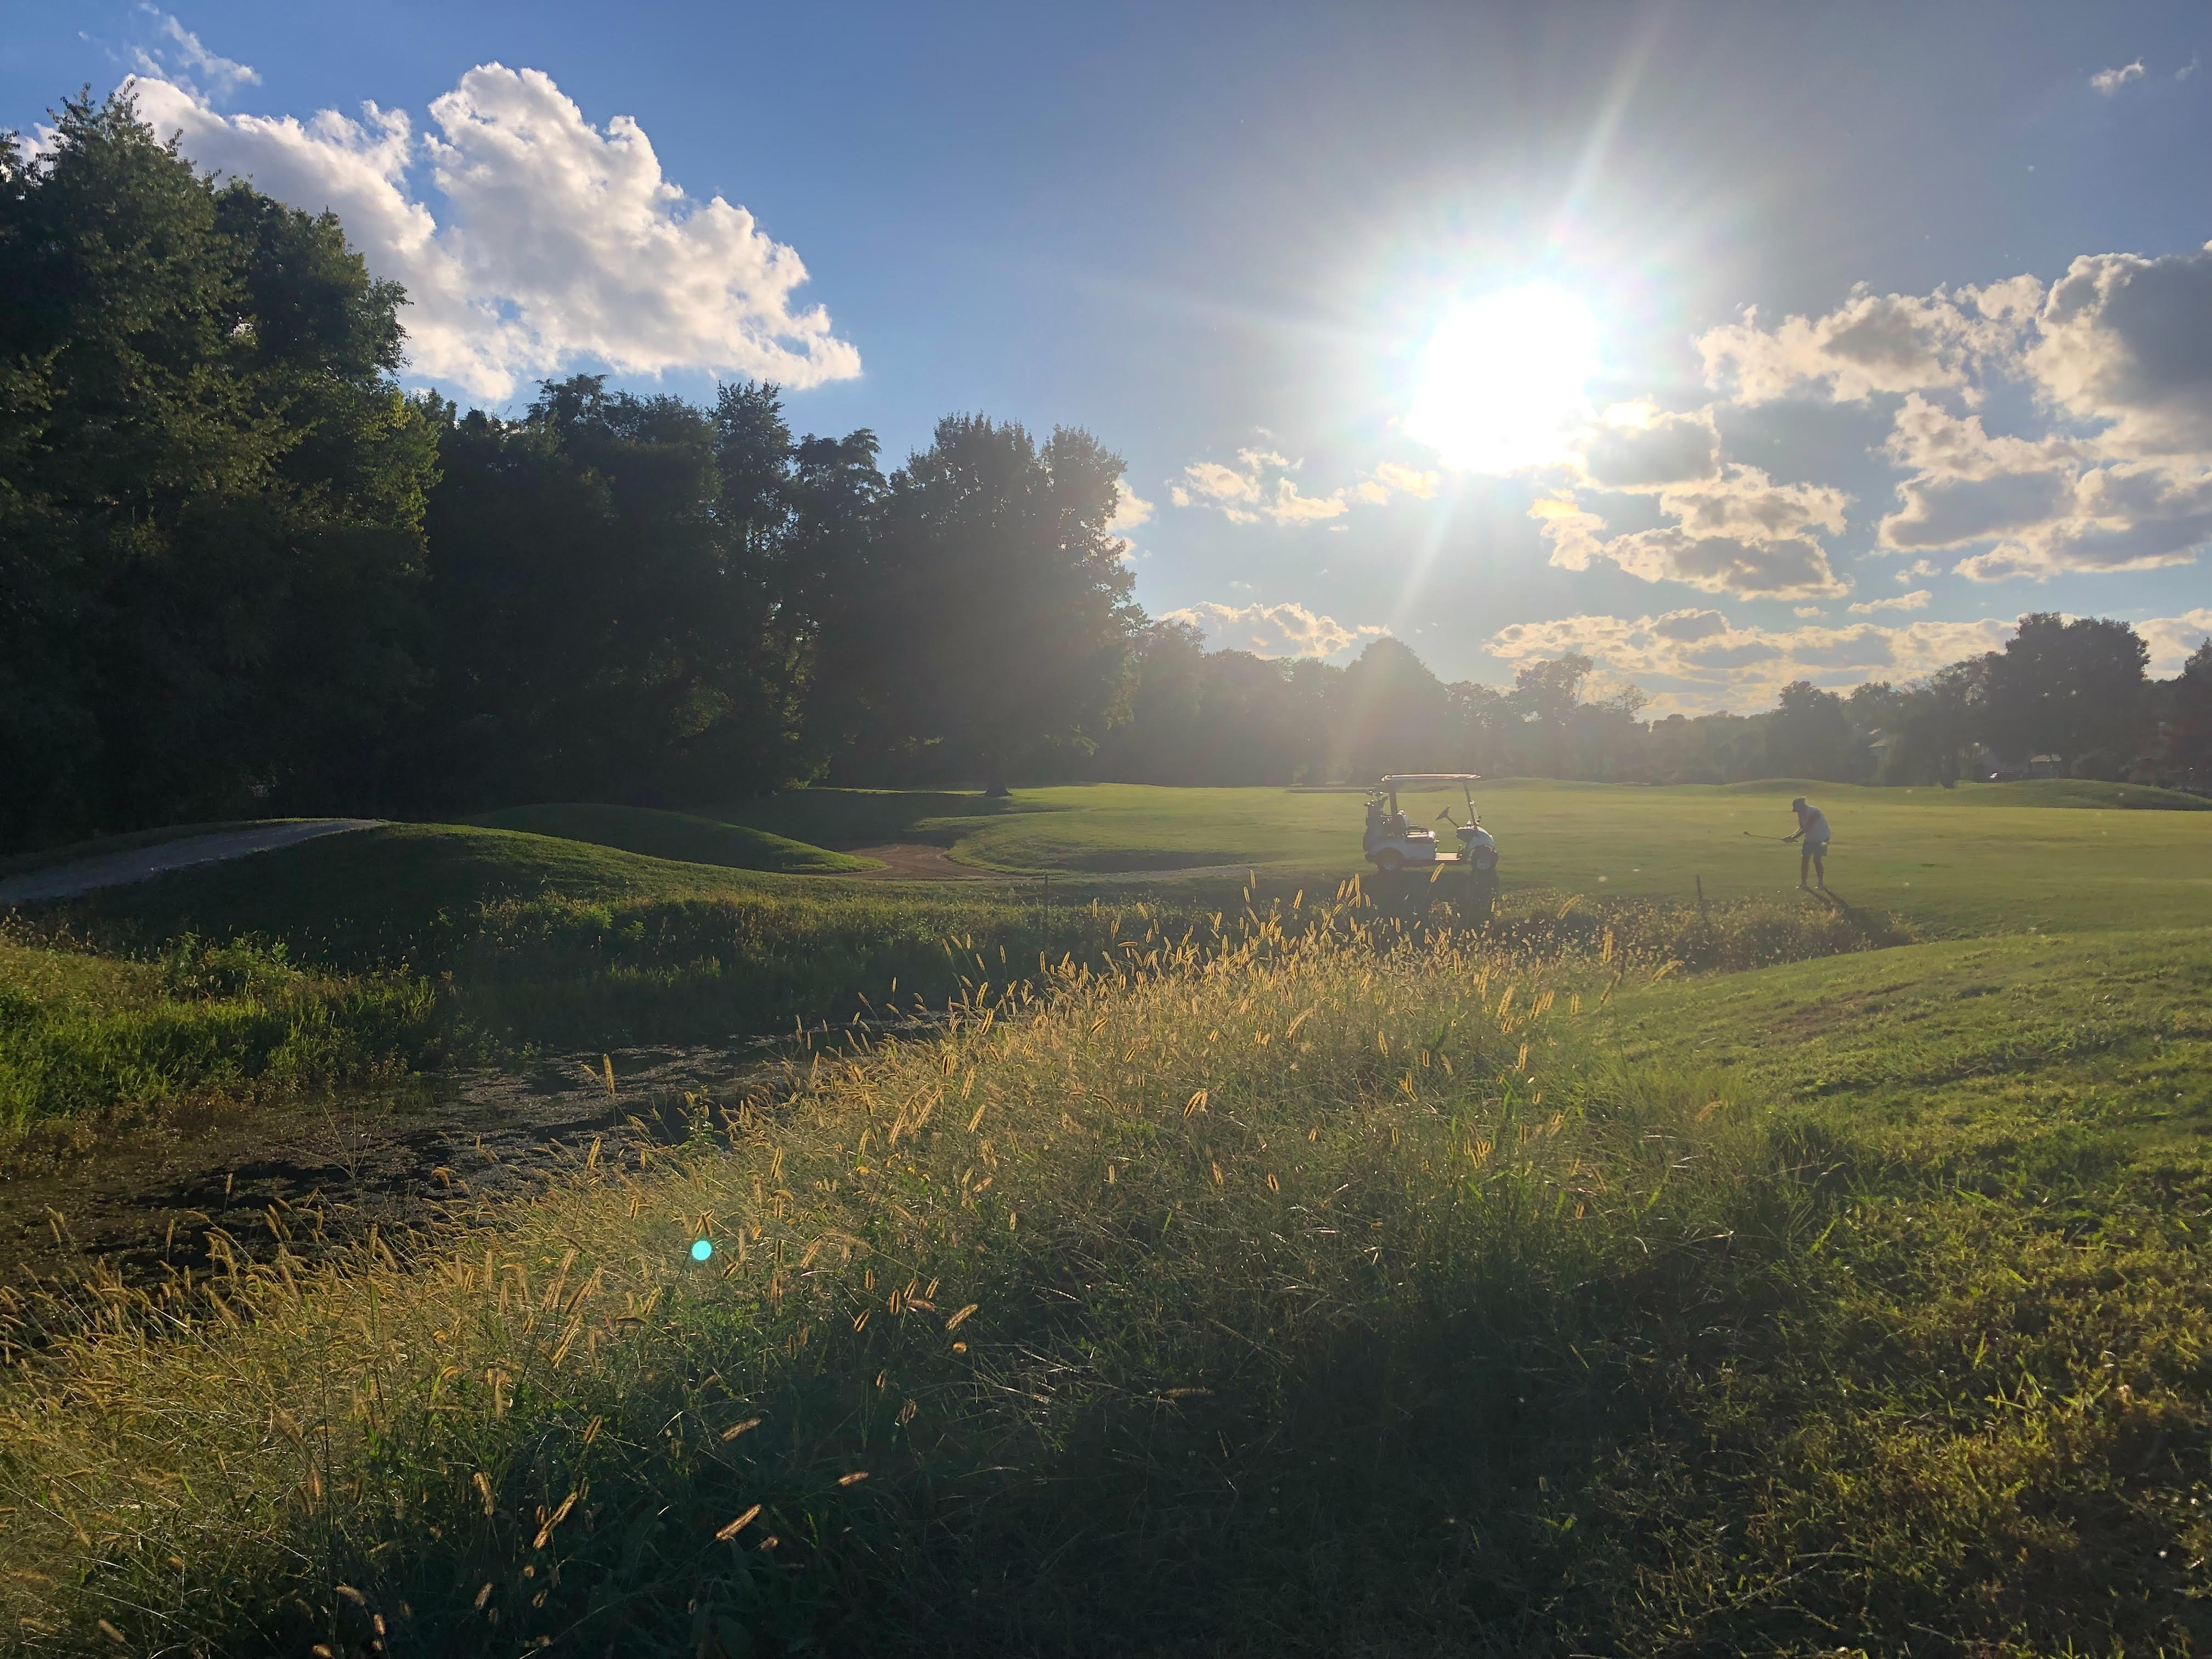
1975, 860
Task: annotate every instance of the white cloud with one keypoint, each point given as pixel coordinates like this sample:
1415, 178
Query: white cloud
1736, 533
2173, 639
1259, 487
1130, 510
2110, 81
1721, 666
2113, 356
1406, 480
1272, 630
1871, 343
177, 55
1916, 600
2045, 503
1805, 611
2122, 341
560, 242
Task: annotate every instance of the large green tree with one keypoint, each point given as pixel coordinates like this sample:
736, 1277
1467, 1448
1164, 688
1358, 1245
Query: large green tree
211, 493
1811, 735
2070, 686
630, 596
998, 620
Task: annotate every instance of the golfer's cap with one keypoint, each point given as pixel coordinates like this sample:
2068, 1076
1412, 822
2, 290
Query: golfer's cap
1799, 802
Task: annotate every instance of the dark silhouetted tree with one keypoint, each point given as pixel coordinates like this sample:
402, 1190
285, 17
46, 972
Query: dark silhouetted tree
211, 493
630, 595
1394, 713
1811, 735
2070, 688
998, 620
2186, 733
1936, 721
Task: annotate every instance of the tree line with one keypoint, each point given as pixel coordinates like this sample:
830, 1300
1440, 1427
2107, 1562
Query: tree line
243, 574
2064, 695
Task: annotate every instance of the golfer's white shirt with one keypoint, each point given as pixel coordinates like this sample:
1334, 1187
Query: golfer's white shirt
1814, 825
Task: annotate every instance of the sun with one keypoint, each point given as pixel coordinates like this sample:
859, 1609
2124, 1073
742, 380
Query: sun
1503, 380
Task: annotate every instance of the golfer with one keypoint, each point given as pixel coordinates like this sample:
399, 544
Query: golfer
1813, 826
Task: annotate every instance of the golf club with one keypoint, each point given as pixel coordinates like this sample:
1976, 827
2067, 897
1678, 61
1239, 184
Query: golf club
1779, 838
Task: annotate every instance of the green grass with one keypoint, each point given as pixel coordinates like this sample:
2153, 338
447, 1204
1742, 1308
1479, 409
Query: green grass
1322, 1302
864, 817
675, 836
1328, 1297
83, 1033
1976, 860
536, 941
407, 944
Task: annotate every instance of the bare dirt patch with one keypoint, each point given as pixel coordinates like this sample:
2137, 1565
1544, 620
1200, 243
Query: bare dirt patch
908, 861
139, 1198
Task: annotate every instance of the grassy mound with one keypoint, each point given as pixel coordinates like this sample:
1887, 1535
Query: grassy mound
404, 945
676, 836
866, 817
1281, 1296
1283, 1220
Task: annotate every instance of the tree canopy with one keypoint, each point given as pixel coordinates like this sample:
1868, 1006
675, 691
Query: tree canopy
242, 573
211, 492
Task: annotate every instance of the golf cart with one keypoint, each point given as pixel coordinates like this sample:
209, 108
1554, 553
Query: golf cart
1392, 843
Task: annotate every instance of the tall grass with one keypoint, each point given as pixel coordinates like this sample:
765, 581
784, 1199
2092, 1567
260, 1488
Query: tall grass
145, 1021
80, 1033
1272, 1289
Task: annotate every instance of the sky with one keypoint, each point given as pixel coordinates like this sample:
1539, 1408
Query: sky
1727, 344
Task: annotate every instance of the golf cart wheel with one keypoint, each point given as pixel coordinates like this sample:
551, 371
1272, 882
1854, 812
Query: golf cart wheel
1388, 862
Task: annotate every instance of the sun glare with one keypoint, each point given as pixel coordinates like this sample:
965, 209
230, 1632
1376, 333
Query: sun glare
1503, 380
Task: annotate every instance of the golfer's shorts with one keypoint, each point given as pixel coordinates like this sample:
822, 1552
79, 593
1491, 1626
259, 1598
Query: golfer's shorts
1818, 849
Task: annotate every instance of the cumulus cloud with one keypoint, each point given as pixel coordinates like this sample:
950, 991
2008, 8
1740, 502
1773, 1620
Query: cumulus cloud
2110, 81
2124, 342
1637, 447
557, 241
176, 55
1130, 510
1274, 630
2049, 505
1259, 487
1871, 343
1736, 532
1916, 600
1406, 480
2116, 358
1719, 665
2173, 640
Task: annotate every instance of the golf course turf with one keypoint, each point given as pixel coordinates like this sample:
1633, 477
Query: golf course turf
1302, 1278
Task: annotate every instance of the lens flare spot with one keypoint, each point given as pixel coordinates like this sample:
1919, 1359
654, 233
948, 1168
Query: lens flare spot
702, 1249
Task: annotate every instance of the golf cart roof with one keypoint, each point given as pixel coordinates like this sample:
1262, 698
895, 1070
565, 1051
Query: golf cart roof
1433, 777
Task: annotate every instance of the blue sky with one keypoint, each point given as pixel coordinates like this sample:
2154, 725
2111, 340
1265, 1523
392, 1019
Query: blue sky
1225, 239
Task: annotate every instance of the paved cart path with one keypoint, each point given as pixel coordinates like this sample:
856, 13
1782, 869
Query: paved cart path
63, 881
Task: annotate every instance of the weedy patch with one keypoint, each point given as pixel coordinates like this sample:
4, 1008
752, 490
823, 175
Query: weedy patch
1272, 1211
